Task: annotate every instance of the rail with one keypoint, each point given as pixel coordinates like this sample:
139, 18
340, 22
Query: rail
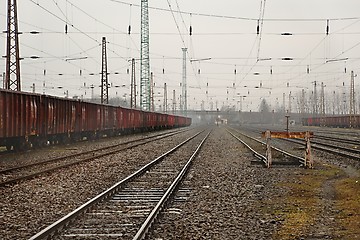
54, 228
260, 156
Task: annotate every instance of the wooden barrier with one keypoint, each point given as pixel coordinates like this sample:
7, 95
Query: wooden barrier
304, 135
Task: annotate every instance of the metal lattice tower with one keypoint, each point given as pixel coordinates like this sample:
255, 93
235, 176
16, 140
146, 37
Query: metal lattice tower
133, 85
104, 75
145, 58
12, 75
184, 87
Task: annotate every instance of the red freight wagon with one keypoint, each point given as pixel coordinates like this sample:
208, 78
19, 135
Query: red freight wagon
32, 119
18, 118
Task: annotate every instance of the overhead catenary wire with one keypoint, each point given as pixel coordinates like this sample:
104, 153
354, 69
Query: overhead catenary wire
246, 18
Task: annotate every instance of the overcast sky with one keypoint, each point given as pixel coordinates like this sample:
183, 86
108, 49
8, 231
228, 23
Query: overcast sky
224, 31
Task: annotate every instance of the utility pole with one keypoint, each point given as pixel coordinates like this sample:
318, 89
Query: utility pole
322, 100
104, 75
302, 102
144, 58
152, 84
315, 100
133, 85
92, 91
184, 87
12, 76
352, 99
165, 98
174, 102
284, 107
289, 110
3, 79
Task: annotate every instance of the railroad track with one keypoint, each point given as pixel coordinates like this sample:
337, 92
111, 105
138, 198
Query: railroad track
331, 148
130, 208
347, 152
262, 157
16, 174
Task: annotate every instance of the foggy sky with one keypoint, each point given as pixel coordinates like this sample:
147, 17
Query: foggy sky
224, 31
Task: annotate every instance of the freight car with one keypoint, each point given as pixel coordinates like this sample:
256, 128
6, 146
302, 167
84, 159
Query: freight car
36, 120
341, 121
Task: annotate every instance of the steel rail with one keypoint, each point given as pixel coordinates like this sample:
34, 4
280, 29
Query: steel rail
141, 234
263, 158
54, 228
322, 148
341, 140
33, 175
256, 154
84, 153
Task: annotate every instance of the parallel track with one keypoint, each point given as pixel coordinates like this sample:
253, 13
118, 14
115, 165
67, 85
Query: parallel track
261, 156
128, 209
347, 152
16, 174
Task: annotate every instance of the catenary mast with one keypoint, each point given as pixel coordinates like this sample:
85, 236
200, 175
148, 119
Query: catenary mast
144, 58
12, 75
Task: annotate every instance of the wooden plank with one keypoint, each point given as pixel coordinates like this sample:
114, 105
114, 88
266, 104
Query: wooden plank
287, 134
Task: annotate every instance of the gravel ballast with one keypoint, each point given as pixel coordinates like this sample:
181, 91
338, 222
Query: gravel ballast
224, 196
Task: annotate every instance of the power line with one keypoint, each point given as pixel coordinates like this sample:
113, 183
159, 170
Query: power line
245, 18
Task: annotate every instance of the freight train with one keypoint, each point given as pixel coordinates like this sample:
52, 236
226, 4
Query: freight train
341, 121
34, 120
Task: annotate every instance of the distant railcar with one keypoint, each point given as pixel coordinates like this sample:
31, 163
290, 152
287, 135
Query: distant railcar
28, 119
343, 121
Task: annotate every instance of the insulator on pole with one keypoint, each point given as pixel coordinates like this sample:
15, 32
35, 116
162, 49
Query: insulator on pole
199, 71
129, 29
80, 72
258, 28
190, 30
235, 71
327, 27
44, 72
271, 70
308, 69
66, 28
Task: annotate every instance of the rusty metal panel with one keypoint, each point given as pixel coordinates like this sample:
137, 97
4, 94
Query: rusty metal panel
287, 134
2, 114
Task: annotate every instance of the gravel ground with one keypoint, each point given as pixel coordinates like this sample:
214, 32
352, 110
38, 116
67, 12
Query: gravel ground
231, 199
226, 197
28, 207
36, 155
